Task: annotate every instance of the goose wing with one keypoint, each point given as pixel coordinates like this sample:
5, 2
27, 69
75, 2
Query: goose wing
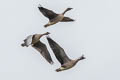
47, 13
39, 46
27, 41
58, 51
67, 19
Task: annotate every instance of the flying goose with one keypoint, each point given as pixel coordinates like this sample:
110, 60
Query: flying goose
54, 17
34, 41
66, 62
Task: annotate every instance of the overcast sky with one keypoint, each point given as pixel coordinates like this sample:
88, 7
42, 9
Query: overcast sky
95, 33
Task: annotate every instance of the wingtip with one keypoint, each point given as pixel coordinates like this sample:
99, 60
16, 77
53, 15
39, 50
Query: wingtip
73, 20
39, 5
23, 45
49, 39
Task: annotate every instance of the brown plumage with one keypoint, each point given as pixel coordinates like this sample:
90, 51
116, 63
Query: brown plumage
66, 62
34, 41
54, 17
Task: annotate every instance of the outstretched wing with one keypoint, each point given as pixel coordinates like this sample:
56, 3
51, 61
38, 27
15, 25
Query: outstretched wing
39, 46
67, 19
47, 13
27, 41
58, 51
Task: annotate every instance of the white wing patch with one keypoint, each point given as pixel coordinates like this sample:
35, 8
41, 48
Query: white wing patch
28, 40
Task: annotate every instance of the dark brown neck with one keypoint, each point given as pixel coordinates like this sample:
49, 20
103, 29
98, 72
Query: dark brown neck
80, 58
45, 33
66, 10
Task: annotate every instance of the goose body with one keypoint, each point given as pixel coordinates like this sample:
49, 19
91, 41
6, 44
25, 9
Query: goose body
65, 61
34, 41
55, 20
54, 17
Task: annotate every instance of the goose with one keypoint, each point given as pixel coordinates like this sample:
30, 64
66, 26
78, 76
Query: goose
34, 41
65, 61
54, 17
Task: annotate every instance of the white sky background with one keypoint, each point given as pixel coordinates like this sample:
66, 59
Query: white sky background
95, 33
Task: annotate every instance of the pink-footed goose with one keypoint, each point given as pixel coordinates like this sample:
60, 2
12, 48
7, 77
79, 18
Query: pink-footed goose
34, 41
54, 17
66, 62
